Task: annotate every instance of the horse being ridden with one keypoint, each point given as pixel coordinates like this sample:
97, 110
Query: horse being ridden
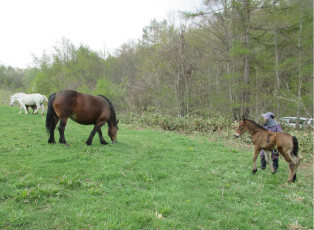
84, 109
263, 139
34, 100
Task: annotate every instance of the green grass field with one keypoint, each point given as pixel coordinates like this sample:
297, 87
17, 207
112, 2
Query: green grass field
150, 179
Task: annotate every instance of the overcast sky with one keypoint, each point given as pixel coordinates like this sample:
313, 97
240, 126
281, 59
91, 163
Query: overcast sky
32, 26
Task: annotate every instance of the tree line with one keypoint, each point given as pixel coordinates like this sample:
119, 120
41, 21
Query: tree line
229, 58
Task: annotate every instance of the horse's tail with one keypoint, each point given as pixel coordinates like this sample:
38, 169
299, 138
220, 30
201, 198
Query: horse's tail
50, 113
295, 146
45, 98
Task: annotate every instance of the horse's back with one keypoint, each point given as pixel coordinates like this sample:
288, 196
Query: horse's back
284, 139
38, 98
82, 108
64, 102
28, 99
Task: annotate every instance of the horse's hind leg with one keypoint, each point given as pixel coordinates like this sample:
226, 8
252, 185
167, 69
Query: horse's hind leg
291, 163
292, 175
268, 162
297, 160
102, 140
42, 108
51, 139
37, 108
63, 122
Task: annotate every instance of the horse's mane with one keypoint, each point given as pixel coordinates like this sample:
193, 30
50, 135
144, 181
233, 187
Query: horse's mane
257, 125
18, 94
113, 112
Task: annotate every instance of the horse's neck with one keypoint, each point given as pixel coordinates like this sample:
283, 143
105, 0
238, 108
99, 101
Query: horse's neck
18, 95
110, 123
253, 129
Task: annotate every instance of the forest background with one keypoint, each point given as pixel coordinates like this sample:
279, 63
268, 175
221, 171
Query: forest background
233, 57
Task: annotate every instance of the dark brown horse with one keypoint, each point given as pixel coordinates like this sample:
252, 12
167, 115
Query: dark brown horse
84, 109
32, 106
286, 144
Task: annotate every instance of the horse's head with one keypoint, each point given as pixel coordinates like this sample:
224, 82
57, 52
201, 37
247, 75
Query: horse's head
15, 97
112, 132
242, 128
12, 100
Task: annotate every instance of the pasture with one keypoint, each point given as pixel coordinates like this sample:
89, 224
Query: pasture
150, 179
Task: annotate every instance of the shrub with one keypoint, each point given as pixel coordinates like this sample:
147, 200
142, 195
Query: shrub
187, 124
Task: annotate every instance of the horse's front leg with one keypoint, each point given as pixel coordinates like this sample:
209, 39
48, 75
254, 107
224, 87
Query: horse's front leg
102, 140
255, 155
91, 136
21, 109
268, 162
24, 107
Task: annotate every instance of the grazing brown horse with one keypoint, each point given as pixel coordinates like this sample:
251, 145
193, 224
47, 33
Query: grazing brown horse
32, 106
286, 144
84, 109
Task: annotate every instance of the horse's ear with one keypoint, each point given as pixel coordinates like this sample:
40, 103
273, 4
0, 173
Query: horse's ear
243, 118
117, 121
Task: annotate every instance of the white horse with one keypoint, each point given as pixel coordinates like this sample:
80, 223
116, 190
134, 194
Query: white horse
34, 99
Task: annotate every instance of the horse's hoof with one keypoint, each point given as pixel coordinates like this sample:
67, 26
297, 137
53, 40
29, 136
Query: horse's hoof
104, 143
254, 171
52, 142
88, 143
64, 143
